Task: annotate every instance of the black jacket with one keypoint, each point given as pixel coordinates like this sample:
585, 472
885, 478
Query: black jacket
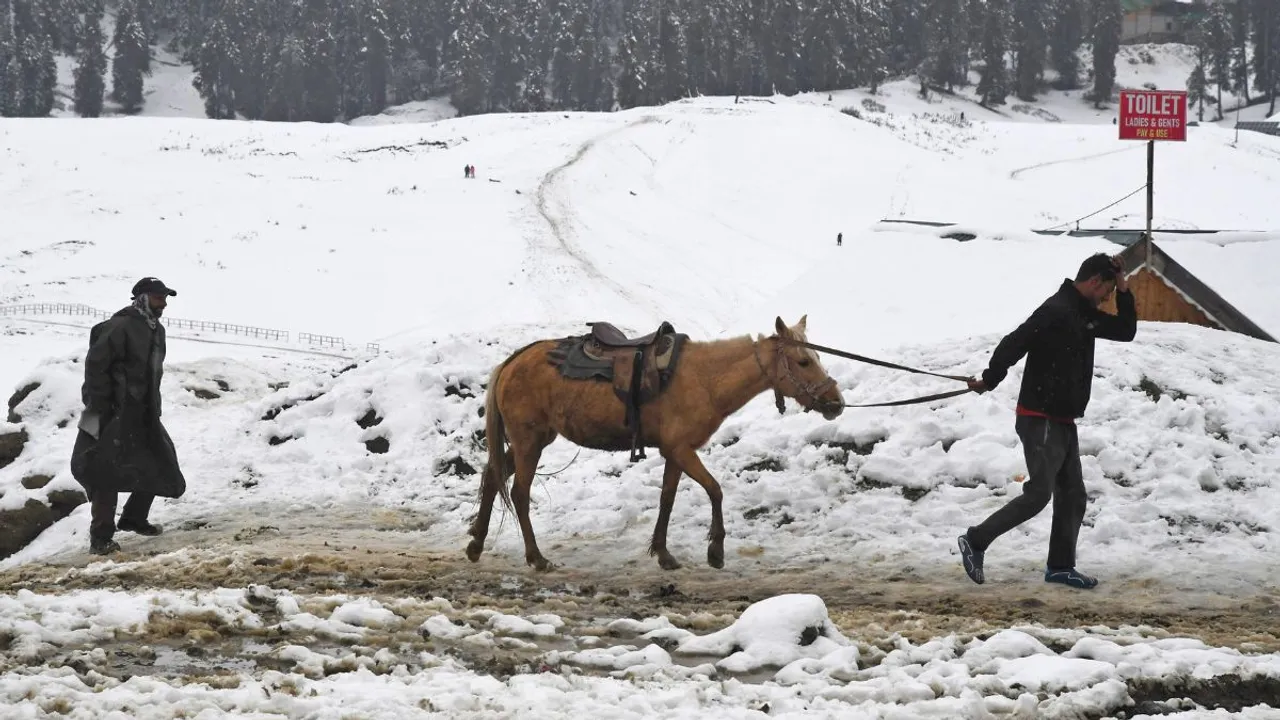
1058, 342
122, 372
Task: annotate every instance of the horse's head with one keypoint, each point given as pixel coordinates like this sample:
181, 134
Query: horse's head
797, 372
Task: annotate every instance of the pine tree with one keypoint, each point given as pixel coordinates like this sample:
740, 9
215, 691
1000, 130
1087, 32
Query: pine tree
288, 96
1216, 34
1240, 48
470, 55
323, 99
1107, 19
946, 44
1265, 22
1197, 89
36, 71
993, 85
131, 58
1030, 41
905, 22
91, 64
216, 62
10, 92
870, 51
1067, 35
825, 32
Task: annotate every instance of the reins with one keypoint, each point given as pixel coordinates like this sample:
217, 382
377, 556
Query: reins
892, 366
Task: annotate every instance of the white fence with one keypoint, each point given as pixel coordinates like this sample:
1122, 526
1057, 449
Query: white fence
260, 333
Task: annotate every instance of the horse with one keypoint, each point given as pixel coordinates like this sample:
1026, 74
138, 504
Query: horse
529, 403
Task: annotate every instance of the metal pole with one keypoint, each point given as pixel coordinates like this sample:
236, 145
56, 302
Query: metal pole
1151, 191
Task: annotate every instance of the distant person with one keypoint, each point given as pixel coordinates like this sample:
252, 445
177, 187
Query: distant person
1058, 340
466, 171
122, 445
839, 239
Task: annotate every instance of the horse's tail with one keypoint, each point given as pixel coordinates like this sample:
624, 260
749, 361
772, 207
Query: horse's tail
498, 468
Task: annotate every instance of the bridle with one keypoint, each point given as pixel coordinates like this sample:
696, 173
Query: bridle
807, 394
811, 391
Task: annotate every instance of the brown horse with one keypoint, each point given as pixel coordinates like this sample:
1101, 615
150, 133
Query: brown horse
529, 404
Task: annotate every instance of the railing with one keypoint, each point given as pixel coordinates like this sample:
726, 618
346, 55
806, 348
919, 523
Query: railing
229, 328
312, 339
52, 309
321, 340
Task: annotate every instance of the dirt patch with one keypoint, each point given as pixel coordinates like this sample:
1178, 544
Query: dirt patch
273, 413
395, 553
16, 399
1228, 692
35, 482
11, 446
369, 419
20, 526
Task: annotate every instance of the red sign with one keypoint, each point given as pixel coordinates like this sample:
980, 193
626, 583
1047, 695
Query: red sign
1153, 115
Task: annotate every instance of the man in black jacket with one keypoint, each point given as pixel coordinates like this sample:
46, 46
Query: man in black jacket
122, 446
1058, 341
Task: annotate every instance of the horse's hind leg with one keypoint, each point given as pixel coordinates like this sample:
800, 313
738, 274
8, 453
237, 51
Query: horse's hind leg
489, 487
526, 462
670, 482
692, 465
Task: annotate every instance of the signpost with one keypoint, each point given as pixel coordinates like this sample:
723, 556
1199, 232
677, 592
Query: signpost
1153, 115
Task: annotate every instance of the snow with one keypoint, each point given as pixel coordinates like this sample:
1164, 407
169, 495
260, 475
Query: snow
718, 217
1012, 670
420, 111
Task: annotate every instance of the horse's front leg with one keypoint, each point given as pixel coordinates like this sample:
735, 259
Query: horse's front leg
689, 461
658, 546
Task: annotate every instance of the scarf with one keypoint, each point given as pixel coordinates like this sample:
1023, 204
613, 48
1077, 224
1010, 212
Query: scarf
143, 306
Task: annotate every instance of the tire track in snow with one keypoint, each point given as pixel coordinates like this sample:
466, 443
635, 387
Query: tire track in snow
553, 208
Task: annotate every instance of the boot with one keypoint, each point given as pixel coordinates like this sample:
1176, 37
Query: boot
142, 527
99, 546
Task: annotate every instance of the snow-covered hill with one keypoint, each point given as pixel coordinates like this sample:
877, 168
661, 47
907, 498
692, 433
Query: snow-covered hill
717, 216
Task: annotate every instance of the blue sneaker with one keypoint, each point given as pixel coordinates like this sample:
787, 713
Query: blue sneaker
972, 560
1072, 577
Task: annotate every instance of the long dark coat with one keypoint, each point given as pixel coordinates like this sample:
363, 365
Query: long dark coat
133, 451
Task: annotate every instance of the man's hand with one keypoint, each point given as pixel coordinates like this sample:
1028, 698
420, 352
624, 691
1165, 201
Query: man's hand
1122, 284
977, 386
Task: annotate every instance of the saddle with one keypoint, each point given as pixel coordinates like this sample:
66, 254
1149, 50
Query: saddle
640, 368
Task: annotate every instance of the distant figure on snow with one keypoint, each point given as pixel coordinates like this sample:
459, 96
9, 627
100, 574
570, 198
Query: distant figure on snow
839, 239
1058, 341
122, 446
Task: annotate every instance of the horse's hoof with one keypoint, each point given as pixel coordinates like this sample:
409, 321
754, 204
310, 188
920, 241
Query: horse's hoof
474, 550
666, 562
715, 557
542, 564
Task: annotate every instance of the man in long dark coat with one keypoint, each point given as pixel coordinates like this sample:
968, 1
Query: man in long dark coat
122, 445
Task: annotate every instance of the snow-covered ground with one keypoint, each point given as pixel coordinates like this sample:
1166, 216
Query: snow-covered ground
718, 217
620, 668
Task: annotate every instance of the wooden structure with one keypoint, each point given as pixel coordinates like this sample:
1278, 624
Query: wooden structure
1157, 21
1165, 291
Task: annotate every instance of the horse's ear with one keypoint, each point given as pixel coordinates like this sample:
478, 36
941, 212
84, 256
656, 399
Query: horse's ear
780, 327
804, 321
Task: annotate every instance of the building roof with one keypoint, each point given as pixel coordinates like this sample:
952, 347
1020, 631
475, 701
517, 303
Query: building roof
1228, 275
1231, 268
